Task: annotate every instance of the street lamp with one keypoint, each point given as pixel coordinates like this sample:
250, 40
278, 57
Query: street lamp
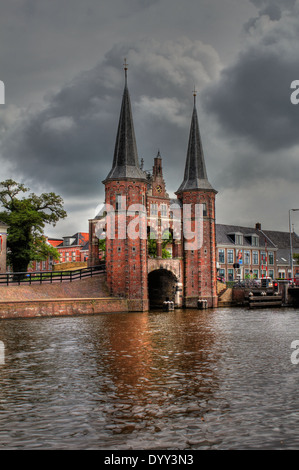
291, 245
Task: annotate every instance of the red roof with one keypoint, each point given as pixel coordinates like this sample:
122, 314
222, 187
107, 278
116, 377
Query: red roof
55, 241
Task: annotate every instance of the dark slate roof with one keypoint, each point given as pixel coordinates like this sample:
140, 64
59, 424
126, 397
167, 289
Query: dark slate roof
85, 247
176, 202
125, 160
195, 176
3, 223
223, 238
282, 239
283, 257
274, 238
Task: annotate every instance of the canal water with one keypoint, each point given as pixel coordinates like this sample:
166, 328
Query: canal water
215, 379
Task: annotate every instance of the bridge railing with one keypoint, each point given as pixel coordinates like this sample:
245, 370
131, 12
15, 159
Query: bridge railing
42, 277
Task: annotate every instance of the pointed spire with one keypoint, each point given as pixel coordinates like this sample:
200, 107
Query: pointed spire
125, 160
195, 176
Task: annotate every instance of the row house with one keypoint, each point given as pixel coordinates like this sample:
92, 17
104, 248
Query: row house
248, 253
71, 249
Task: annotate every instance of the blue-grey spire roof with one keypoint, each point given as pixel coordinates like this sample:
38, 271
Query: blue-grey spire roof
195, 176
125, 161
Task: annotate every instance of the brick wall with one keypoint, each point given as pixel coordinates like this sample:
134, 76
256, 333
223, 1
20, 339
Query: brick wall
64, 307
3, 236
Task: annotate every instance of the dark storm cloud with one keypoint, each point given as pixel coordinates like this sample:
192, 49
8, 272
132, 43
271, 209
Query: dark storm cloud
69, 144
252, 103
273, 8
58, 132
252, 98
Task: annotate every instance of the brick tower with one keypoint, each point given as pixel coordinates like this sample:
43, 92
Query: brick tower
125, 195
3, 237
194, 192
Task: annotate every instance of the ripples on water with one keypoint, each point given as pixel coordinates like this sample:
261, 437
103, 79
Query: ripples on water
216, 379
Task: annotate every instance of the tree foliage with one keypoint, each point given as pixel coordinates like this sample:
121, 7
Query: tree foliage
296, 257
26, 218
152, 245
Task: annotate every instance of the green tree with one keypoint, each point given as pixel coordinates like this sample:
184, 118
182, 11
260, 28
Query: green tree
152, 245
296, 257
26, 218
102, 247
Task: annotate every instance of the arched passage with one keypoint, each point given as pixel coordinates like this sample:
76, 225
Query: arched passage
162, 286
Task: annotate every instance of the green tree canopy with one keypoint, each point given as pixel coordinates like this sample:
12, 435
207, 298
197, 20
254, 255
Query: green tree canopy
26, 218
296, 257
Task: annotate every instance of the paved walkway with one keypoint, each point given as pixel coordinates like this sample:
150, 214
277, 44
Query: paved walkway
94, 287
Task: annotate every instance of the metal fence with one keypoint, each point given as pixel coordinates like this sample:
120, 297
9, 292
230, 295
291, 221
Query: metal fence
42, 277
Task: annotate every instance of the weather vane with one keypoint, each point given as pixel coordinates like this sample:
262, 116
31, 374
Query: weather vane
194, 94
125, 67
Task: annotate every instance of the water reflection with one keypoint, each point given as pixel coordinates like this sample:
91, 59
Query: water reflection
179, 380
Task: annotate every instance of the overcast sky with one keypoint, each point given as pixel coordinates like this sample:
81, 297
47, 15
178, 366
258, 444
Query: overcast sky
62, 65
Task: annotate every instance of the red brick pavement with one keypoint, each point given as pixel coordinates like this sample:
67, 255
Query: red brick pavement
87, 288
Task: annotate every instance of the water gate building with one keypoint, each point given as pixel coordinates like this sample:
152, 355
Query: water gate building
137, 203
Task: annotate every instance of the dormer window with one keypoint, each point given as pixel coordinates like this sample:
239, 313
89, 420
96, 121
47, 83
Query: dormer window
236, 237
252, 239
239, 239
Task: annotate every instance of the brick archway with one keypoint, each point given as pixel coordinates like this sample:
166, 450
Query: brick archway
162, 285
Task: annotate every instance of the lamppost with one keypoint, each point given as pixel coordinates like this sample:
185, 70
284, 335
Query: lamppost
291, 244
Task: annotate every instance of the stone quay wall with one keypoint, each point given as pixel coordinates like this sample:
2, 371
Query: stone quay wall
85, 297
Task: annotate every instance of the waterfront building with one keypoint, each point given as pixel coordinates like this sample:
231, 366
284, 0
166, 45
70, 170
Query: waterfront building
71, 249
138, 268
250, 252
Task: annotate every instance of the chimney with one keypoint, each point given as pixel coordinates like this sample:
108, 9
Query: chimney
258, 226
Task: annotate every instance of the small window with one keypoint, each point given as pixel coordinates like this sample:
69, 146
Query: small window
154, 209
163, 210
119, 249
239, 240
221, 256
255, 257
230, 256
118, 202
204, 210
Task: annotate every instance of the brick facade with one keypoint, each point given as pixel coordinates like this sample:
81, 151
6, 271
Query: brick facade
200, 264
252, 252
3, 245
74, 249
126, 258
129, 266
